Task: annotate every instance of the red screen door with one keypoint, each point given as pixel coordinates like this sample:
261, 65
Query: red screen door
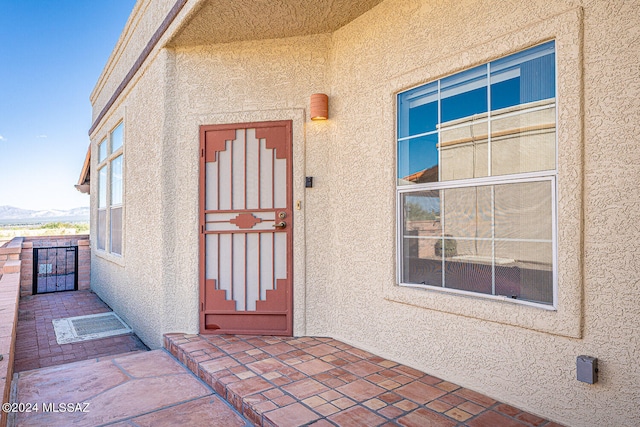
246, 229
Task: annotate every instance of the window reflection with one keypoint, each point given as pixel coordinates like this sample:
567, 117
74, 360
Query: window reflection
524, 77
493, 236
523, 139
464, 151
443, 127
491, 239
421, 236
418, 160
116, 138
116, 181
464, 94
418, 110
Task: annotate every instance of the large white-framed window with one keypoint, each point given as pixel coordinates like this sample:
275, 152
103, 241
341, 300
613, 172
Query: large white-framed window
110, 191
477, 173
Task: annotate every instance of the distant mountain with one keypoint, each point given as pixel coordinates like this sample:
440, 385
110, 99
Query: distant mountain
12, 213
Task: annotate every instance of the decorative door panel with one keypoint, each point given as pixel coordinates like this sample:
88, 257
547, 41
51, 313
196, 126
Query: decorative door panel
246, 229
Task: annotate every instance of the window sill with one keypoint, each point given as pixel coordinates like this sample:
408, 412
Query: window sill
498, 309
108, 256
472, 294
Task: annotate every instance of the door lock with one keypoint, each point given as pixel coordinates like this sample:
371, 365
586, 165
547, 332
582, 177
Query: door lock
282, 215
280, 225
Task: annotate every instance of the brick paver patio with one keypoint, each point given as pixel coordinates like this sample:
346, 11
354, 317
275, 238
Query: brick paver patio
36, 345
272, 381
276, 381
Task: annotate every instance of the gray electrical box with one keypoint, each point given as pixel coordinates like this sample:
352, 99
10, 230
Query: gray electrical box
587, 368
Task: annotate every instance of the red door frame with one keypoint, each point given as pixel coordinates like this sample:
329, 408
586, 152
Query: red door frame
277, 311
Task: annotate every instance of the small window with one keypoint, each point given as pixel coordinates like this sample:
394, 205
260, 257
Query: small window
102, 151
110, 192
116, 138
476, 166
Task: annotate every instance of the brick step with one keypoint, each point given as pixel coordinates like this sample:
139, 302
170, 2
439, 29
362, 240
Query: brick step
277, 381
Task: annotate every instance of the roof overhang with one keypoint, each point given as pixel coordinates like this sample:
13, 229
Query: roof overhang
84, 182
225, 21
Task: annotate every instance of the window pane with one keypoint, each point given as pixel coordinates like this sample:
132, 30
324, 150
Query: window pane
467, 214
116, 138
527, 76
490, 238
418, 110
464, 94
467, 245
529, 274
116, 231
524, 142
523, 211
468, 265
418, 160
116, 181
422, 232
102, 228
464, 151
102, 151
102, 187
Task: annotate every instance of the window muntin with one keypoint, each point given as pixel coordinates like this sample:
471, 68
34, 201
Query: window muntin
110, 192
476, 185
515, 135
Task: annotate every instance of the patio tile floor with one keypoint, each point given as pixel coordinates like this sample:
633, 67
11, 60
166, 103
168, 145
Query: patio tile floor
279, 381
36, 345
138, 389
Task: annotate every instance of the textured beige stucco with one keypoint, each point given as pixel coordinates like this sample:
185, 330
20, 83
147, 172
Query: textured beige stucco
345, 238
237, 20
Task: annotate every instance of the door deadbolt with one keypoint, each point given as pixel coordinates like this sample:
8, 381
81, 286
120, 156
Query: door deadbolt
282, 215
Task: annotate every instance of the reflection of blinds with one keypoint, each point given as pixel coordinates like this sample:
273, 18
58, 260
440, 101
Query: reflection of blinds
499, 77
464, 82
537, 79
528, 55
424, 96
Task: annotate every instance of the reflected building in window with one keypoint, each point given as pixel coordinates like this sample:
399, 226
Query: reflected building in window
476, 178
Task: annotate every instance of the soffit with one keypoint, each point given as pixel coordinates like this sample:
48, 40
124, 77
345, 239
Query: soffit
224, 21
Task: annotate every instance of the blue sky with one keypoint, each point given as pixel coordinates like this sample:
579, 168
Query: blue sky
51, 55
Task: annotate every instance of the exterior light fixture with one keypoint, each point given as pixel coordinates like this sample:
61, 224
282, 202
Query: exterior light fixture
319, 106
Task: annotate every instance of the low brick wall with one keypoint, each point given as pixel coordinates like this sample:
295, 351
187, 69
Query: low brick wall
10, 251
16, 271
9, 297
26, 256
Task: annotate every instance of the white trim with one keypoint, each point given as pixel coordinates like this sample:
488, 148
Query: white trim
479, 295
478, 182
538, 176
486, 239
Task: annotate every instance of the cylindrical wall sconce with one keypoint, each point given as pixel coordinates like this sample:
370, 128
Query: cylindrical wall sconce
319, 106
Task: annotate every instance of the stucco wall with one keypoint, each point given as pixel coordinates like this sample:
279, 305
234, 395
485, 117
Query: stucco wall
521, 355
345, 250
131, 283
154, 285
238, 83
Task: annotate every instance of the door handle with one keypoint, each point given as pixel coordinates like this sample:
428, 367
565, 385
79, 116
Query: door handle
281, 225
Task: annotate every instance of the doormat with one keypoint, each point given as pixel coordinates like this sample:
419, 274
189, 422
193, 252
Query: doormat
90, 327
